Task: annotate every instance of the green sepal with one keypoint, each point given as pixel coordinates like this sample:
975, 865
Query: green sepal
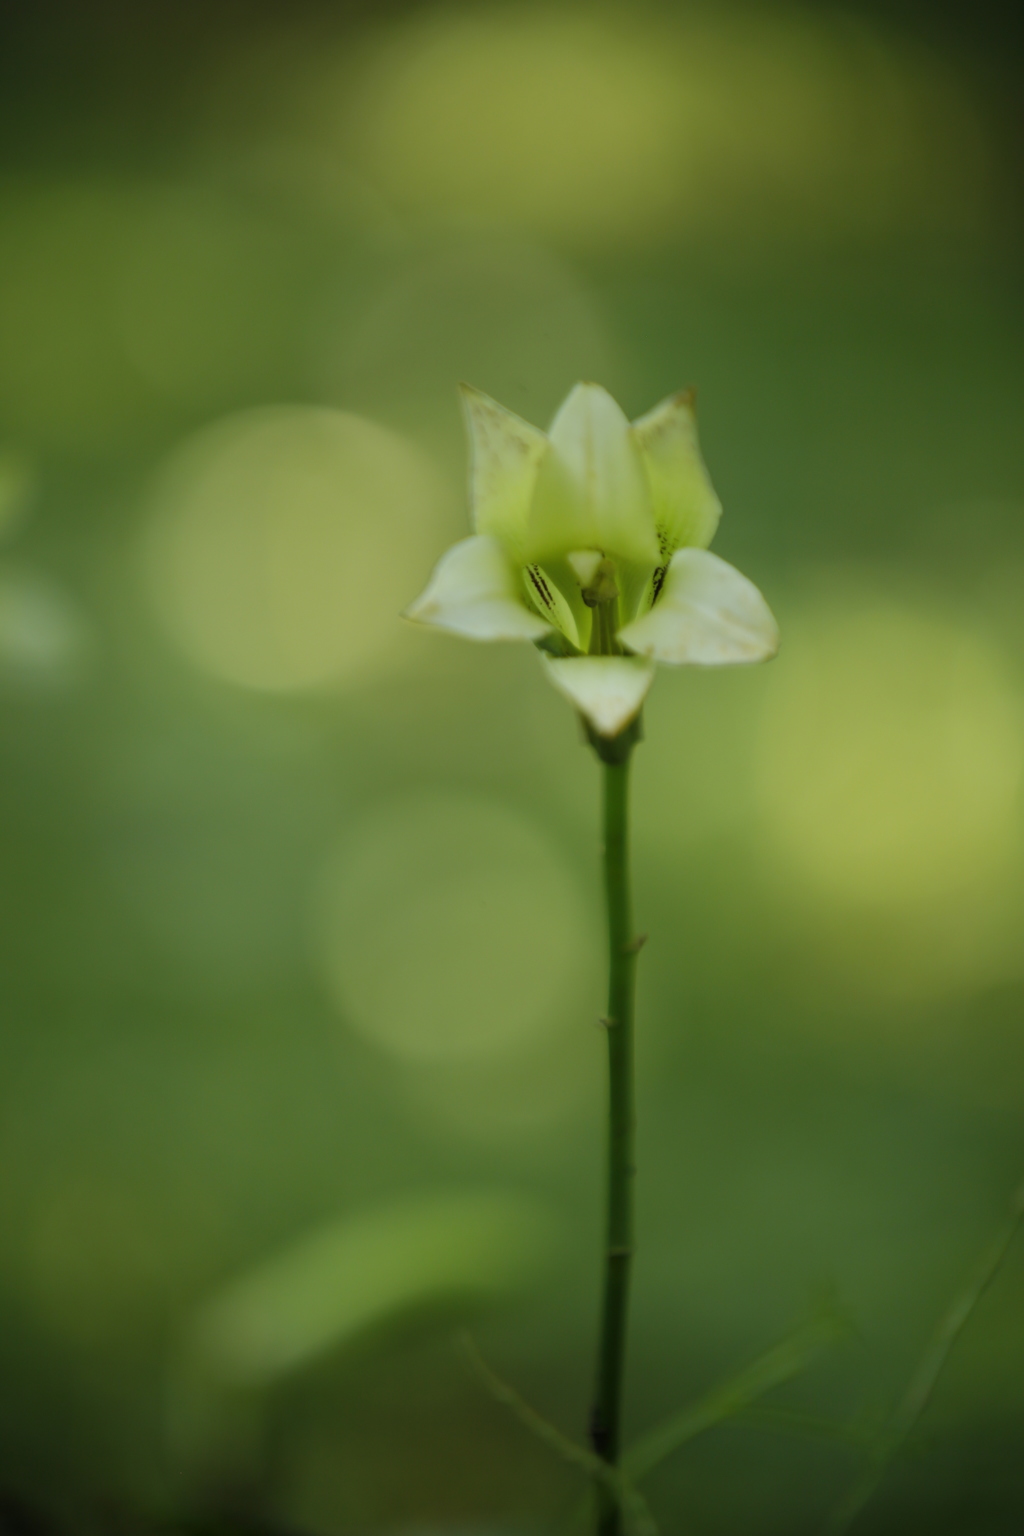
615, 750
556, 644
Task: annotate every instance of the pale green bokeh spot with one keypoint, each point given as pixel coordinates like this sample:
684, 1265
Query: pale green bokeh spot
537, 1097
452, 929
43, 638
586, 128
281, 543
542, 118
890, 759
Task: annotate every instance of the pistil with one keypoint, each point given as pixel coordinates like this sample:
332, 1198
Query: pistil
601, 595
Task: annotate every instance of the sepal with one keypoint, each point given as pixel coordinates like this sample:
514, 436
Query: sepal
608, 691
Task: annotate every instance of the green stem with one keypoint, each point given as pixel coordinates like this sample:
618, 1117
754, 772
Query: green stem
605, 1420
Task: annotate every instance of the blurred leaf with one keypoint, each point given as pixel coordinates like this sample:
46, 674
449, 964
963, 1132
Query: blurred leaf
346, 1277
776, 1365
788, 1421
922, 1384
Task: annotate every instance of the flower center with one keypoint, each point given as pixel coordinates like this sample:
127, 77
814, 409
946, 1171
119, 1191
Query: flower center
601, 595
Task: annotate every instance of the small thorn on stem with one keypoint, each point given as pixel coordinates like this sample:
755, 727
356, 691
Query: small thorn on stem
606, 1023
635, 945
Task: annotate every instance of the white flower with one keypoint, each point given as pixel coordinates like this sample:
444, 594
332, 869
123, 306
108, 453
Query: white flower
591, 540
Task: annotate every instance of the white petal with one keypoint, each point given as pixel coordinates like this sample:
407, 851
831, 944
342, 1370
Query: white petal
686, 509
476, 592
607, 690
706, 615
592, 490
505, 453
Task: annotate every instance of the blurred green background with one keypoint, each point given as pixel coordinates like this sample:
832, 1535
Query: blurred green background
301, 942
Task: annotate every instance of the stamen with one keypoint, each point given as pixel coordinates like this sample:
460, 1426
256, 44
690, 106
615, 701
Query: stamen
542, 590
658, 579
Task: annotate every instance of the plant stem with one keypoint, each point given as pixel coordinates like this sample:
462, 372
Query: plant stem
605, 1419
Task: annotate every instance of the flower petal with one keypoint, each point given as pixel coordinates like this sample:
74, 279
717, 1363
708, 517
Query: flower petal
607, 690
505, 453
477, 593
686, 509
557, 598
707, 615
592, 491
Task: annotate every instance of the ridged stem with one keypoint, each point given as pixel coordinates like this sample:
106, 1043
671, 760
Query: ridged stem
623, 946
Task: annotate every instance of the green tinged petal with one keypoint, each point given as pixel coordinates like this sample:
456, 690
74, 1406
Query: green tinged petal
686, 509
505, 454
477, 593
607, 690
706, 615
554, 592
592, 491
636, 585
